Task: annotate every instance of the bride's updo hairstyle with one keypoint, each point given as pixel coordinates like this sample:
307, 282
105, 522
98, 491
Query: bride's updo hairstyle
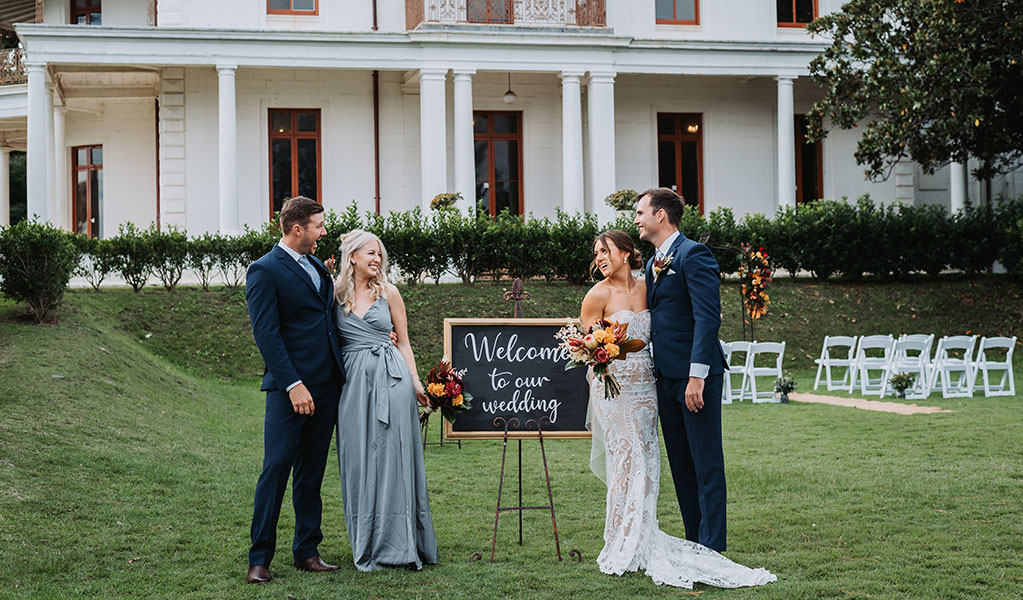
344, 289
623, 242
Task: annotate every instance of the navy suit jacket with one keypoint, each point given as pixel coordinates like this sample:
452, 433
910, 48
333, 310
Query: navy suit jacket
292, 323
685, 310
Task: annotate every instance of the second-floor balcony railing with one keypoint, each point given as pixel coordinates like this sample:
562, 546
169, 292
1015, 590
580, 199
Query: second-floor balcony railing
548, 13
12, 66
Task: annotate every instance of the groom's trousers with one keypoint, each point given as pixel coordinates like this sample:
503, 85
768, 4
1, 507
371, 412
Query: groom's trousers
693, 445
295, 445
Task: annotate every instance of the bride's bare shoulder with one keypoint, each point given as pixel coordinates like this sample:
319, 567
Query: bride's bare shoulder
599, 293
595, 301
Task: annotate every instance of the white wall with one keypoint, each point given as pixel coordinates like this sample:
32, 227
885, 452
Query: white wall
333, 15
745, 20
739, 138
127, 131
115, 12
345, 102
738, 20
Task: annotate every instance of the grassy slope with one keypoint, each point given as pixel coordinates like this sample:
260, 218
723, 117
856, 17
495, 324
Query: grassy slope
133, 475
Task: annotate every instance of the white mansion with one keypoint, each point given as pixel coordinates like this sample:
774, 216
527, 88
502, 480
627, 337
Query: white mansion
205, 114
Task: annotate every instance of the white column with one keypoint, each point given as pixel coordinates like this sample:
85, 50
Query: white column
571, 143
786, 143
465, 157
600, 104
51, 186
62, 218
959, 180
36, 158
5, 186
432, 134
227, 118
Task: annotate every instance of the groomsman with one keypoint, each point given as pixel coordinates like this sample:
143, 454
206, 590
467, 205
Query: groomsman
291, 307
682, 282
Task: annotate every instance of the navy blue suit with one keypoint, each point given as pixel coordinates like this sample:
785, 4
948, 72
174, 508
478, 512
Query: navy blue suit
685, 307
293, 325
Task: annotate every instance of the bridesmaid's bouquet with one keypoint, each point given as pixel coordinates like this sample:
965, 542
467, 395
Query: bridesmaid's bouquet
605, 341
446, 392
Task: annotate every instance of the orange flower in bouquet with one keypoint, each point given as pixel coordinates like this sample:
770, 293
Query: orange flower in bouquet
604, 342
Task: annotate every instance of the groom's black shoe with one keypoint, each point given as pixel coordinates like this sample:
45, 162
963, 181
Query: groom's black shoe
316, 565
258, 574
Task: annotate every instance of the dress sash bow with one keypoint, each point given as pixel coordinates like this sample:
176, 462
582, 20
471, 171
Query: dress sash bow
387, 364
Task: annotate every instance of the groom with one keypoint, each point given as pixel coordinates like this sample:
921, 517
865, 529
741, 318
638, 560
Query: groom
685, 306
291, 307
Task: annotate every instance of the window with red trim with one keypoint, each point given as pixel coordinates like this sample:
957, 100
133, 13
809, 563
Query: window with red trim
294, 155
87, 191
809, 165
680, 155
497, 141
796, 13
292, 7
86, 12
677, 12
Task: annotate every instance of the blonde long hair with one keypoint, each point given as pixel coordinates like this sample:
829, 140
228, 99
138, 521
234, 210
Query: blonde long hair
344, 289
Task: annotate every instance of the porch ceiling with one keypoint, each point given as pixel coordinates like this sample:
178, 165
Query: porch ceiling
106, 82
16, 11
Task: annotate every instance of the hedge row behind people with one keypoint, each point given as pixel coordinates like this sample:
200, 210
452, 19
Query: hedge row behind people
823, 238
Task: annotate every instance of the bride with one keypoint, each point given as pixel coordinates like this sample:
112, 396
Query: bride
626, 454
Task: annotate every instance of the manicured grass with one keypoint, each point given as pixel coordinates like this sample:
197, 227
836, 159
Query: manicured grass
127, 463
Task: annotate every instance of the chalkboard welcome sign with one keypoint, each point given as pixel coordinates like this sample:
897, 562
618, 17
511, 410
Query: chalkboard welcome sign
515, 370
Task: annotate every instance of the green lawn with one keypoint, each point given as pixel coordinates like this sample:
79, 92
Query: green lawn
127, 462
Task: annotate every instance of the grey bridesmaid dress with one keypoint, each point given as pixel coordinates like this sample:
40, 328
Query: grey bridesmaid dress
380, 452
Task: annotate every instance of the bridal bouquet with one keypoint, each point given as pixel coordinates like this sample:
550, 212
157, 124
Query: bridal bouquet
446, 392
604, 342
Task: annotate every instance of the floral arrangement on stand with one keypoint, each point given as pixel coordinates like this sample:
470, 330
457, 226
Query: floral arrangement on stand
446, 392
624, 200
783, 386
755, 274
902, 382
604, 342
445, 201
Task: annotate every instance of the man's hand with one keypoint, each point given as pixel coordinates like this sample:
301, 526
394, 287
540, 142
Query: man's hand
301, 399
694, 394
394, 338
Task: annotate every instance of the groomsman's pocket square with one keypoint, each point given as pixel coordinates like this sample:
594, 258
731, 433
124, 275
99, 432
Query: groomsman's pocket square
671, 271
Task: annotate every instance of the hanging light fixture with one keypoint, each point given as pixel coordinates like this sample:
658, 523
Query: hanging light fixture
509, 96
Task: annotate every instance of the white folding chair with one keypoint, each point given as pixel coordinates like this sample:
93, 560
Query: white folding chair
953, 371
912, 356
873, 352
735, 368
835, 359
772, 371
986, 366
926, 338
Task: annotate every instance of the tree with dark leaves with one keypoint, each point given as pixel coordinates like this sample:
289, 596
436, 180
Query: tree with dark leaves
937, 81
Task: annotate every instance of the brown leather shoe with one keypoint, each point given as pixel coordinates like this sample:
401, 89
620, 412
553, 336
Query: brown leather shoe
258, 574
316, 565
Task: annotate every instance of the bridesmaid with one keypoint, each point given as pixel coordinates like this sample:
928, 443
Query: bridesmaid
383, 477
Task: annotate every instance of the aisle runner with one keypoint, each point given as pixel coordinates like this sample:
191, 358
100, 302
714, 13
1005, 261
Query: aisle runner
892, 407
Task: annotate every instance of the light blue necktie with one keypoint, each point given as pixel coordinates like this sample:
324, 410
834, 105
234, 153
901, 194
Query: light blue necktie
311, 270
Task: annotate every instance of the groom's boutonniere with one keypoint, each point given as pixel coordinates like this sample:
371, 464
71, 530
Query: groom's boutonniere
660, 264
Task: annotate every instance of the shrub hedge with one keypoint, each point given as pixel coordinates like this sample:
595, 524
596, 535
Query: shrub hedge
824, 239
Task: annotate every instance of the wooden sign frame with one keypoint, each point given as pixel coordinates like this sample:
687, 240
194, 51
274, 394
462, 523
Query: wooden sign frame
522, 432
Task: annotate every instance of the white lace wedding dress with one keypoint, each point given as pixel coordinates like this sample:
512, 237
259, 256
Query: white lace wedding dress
626, 456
